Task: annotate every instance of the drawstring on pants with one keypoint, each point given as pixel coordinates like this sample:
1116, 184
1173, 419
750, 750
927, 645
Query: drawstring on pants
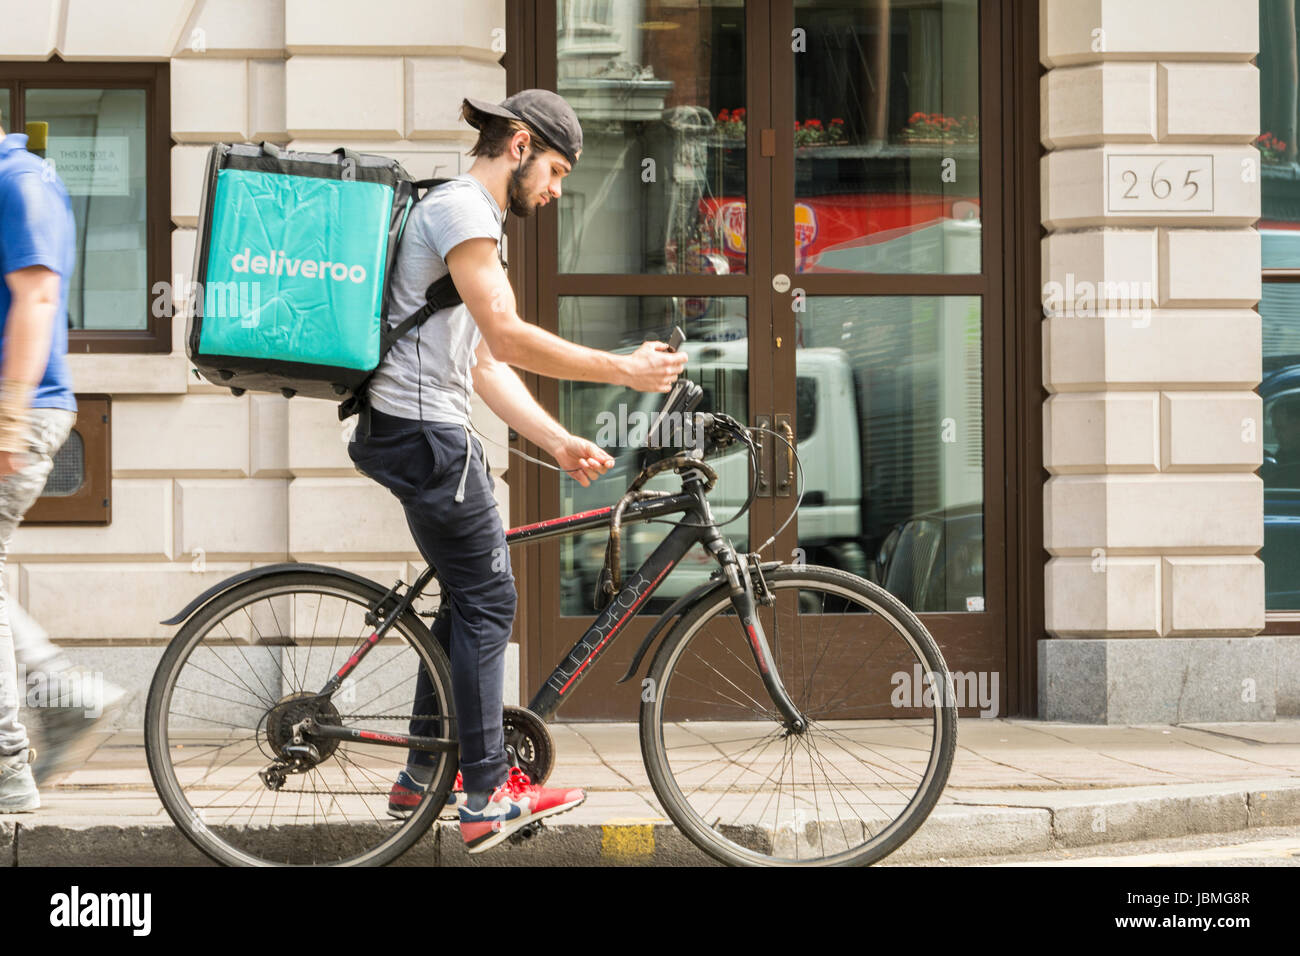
469, 454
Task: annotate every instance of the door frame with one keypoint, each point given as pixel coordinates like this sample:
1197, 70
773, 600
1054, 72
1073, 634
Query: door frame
1009, 285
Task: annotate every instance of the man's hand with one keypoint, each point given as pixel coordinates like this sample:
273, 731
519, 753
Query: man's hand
582, 460
652, 368
12, 462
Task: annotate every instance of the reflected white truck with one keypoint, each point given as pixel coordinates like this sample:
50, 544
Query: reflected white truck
826, 430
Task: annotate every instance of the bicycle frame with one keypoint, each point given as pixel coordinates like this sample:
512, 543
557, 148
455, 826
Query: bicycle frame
698, 527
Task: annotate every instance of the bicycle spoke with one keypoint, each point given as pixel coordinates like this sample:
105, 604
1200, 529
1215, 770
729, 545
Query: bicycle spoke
742, 796
331, 803
268, 699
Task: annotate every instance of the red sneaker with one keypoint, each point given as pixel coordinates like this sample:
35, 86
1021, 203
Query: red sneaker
512, 806
407, 794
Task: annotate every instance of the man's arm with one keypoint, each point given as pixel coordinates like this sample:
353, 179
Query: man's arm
29, 328
510, 399
486, 291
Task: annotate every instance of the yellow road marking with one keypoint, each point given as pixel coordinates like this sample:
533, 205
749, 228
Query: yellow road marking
632, 837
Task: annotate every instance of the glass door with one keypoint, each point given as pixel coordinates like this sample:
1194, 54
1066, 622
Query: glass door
881, 307
809, 189
655, 229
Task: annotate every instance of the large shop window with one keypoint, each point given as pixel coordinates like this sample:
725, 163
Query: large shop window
103, 129
1279, 308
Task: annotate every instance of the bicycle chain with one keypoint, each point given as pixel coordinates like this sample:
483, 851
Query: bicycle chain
335, 793
395, 717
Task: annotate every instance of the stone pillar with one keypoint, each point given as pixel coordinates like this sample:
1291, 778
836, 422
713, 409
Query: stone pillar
1153, 513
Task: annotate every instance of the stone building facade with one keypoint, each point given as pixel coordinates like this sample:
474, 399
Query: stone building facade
1152, 431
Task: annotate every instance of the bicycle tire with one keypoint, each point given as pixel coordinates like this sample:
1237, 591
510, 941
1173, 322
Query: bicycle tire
217, 841
741, 843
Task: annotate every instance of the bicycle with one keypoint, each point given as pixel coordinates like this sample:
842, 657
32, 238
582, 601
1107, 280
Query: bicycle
743, 688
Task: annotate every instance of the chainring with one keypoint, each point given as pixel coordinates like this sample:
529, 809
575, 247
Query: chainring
527, 736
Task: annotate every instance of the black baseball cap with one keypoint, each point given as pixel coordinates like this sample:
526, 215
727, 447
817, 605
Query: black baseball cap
544, 111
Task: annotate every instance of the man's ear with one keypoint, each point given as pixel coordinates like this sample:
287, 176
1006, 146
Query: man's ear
518, 145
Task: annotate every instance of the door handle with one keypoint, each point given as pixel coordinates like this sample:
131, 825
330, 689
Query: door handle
763, 486
785, 474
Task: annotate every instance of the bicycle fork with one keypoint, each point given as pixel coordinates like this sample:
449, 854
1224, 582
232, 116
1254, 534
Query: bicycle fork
740, 574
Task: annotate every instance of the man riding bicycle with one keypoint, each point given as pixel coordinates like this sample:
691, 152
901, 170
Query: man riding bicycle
414, 434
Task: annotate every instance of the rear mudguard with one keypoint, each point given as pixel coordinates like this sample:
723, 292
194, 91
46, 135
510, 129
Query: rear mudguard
251, 575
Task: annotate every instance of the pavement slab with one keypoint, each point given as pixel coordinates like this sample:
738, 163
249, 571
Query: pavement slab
1016, 786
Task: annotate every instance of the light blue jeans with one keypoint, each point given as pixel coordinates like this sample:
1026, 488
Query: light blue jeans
21, 638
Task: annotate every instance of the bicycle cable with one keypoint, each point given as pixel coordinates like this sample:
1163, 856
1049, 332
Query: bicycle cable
753, 490
798, 501
516, 451
749, 500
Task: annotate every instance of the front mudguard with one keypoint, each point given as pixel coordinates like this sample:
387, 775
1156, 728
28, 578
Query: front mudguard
716, 582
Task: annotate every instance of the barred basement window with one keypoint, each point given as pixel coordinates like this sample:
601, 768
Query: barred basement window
69, 472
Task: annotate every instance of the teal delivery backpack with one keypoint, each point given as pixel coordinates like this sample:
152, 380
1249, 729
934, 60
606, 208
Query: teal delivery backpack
294, 256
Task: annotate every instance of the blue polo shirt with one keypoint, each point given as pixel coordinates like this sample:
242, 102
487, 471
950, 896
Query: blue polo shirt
37, 229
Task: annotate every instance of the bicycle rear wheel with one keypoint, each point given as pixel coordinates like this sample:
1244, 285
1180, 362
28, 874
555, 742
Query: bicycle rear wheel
848, 790
237, 677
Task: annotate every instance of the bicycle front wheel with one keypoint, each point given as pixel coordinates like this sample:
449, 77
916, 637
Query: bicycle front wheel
849, 789
237, 678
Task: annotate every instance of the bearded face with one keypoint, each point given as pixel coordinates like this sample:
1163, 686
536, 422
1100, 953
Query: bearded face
527, 188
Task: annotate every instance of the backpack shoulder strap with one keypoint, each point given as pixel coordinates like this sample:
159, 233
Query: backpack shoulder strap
441, 294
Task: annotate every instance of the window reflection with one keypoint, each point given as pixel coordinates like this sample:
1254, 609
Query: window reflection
659, 86
96, 143
1280, 392
887, 136
1279, 81
617, 419
1279, 309
891, 437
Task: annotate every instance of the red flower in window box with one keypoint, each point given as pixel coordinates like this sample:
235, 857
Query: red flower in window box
731, 123
1271, 149
939, 128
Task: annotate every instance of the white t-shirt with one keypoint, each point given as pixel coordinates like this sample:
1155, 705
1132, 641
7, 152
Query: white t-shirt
426, 375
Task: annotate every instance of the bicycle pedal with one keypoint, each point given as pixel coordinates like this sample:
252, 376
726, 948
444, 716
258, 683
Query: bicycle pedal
525, 833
